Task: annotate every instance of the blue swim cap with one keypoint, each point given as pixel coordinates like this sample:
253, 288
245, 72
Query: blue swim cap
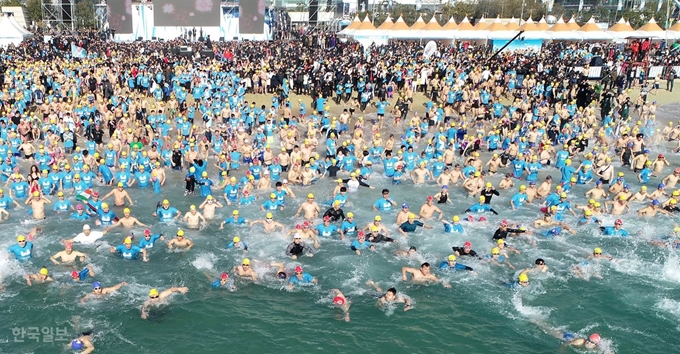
626, 186
555, 231
598, 183
445, 187
655, 202
96, 285
77, 344
404, 206
646, 151
661, 185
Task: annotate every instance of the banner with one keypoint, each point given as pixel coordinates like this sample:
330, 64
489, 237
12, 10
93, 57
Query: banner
120, 15
187, 13
78, 52
251, 16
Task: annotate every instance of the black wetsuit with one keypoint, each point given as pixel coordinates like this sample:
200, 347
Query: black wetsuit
461, 252
335, 215
500, 234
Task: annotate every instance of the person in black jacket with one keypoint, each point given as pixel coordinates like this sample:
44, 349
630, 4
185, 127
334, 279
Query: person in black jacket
334, 212
504, 231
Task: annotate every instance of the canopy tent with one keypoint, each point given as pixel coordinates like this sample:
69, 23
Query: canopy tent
419, 24
433, 30
561, 31
621, 30
366, 28
401, 30
11, 33
481, 24
651, 29
349, 30
387, 25
674, 31
451, 25
513, 25
531, 30
573, 25
543, 24
590, 30
467, 31
497, 30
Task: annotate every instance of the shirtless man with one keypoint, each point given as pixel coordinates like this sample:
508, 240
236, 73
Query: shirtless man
68, 255
402, 215
98, 291
419, 175
180, 242
156, 298
209, 206
422, 275
652, 209
506, 182
43, 276
474, 185
244, 270
494, 164
597, 193
428, 209
544, 188
671, 180
639, 196
310, 207
119, 196
456, 174
37, 203
658, 165
391, 296
193, 218
268, 223
126, 221
619, 206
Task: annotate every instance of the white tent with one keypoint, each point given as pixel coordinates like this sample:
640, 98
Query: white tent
11, 34
466, 30
401, 30
591, 31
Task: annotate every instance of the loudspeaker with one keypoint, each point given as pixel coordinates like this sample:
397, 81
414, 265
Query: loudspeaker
221, 39
207, 53
234, 38
139, 39
66, 12
153, 38
313, 12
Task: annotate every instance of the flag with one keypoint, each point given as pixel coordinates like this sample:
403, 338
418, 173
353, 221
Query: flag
658, 5
78, 52
84, 195
642, 4
580, 6
620, 7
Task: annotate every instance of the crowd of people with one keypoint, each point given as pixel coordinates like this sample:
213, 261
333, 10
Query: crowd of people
131, 115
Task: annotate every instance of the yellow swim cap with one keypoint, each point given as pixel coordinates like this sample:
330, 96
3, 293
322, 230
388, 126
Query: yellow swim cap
126, 210
44, 271
597, 250
235, 212
104, 205
378, 218
127, 241
180, 233
153, 292
237, 239
452, 257
374, 228
495, 250
272, 196
455, 218
523, 277
270, 215
350, 214
246, 261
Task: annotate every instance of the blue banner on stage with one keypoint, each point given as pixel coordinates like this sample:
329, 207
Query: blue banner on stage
518, 44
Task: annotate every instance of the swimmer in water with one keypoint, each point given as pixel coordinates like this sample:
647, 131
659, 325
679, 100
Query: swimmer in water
672, 241
539, 266
155, 298
68, 255
411, 252
597, 254
390, 297
180, 242
268, 223
422, 275
224, 282
341, 302
99, 291
245, 271
571, 339
83, 344
301, 278
43, 276
78, 276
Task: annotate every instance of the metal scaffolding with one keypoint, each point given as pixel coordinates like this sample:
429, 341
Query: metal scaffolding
59, 14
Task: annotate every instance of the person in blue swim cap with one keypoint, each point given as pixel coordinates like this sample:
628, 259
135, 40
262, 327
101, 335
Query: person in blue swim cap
83, 344
99, 291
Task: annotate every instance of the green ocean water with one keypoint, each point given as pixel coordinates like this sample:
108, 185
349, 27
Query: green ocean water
636, 308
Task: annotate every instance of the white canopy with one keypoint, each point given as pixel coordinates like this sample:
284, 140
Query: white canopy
11, 32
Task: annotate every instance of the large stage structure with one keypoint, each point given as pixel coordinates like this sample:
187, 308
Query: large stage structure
219, 20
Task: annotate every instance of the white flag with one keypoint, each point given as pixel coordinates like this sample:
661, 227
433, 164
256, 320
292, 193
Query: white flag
620, 7
580, 5
642, 4
658, 5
